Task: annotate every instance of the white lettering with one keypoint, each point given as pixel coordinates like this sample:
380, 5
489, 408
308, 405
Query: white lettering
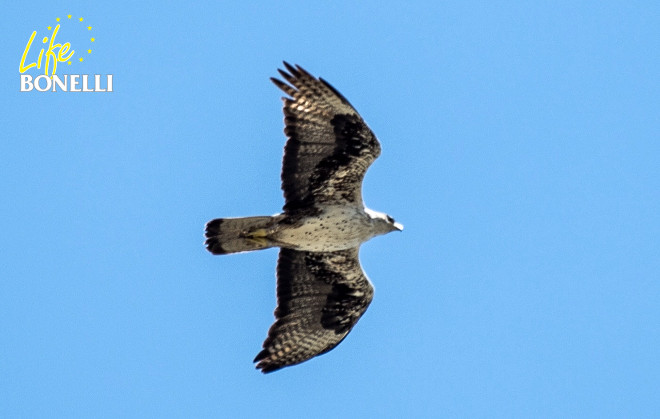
57, 81
85, 88
97, 83
66, 83
74, 83
26, 83
49, 82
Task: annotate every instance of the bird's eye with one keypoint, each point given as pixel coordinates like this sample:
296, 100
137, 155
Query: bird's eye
390, 220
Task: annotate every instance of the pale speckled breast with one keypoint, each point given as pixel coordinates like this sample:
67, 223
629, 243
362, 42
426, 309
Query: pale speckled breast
336, 228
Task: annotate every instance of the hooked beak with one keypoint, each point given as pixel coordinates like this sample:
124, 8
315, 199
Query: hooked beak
398, 226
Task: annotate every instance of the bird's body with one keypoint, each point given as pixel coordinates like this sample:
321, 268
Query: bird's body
322, 290
335, 227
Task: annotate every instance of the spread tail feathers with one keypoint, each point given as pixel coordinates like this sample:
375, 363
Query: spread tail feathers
233, 235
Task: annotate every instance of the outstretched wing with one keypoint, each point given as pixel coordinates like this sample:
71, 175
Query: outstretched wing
329, 147
320, 297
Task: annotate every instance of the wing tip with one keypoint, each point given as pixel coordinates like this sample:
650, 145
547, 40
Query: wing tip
283, 86
265, 363
297, 75
293, 70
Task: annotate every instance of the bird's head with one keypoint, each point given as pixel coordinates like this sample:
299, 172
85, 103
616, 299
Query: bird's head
385, 223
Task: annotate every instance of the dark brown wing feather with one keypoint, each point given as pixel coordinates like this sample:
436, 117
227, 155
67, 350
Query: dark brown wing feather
329, 148
320, 297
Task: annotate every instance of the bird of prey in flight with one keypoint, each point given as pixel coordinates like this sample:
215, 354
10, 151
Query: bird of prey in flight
322, 290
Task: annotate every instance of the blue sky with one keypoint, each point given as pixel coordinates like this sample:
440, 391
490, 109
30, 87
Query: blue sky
521, 150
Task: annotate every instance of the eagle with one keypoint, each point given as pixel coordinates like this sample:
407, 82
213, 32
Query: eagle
322, 290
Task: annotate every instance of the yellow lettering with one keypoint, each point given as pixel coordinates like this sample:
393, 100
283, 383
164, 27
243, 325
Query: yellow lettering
64, 53
50, 52
63, 50
22, 67
41, 53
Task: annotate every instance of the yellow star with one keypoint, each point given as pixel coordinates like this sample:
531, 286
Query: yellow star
57, 19
80, 59
68, 16
69, 62
49, 28
89, 51
81, 19
93, 39
89, 28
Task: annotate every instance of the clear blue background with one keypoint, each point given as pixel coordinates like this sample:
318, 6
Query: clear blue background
521, 150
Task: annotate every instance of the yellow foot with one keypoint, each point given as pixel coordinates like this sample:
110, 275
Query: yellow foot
258, 236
